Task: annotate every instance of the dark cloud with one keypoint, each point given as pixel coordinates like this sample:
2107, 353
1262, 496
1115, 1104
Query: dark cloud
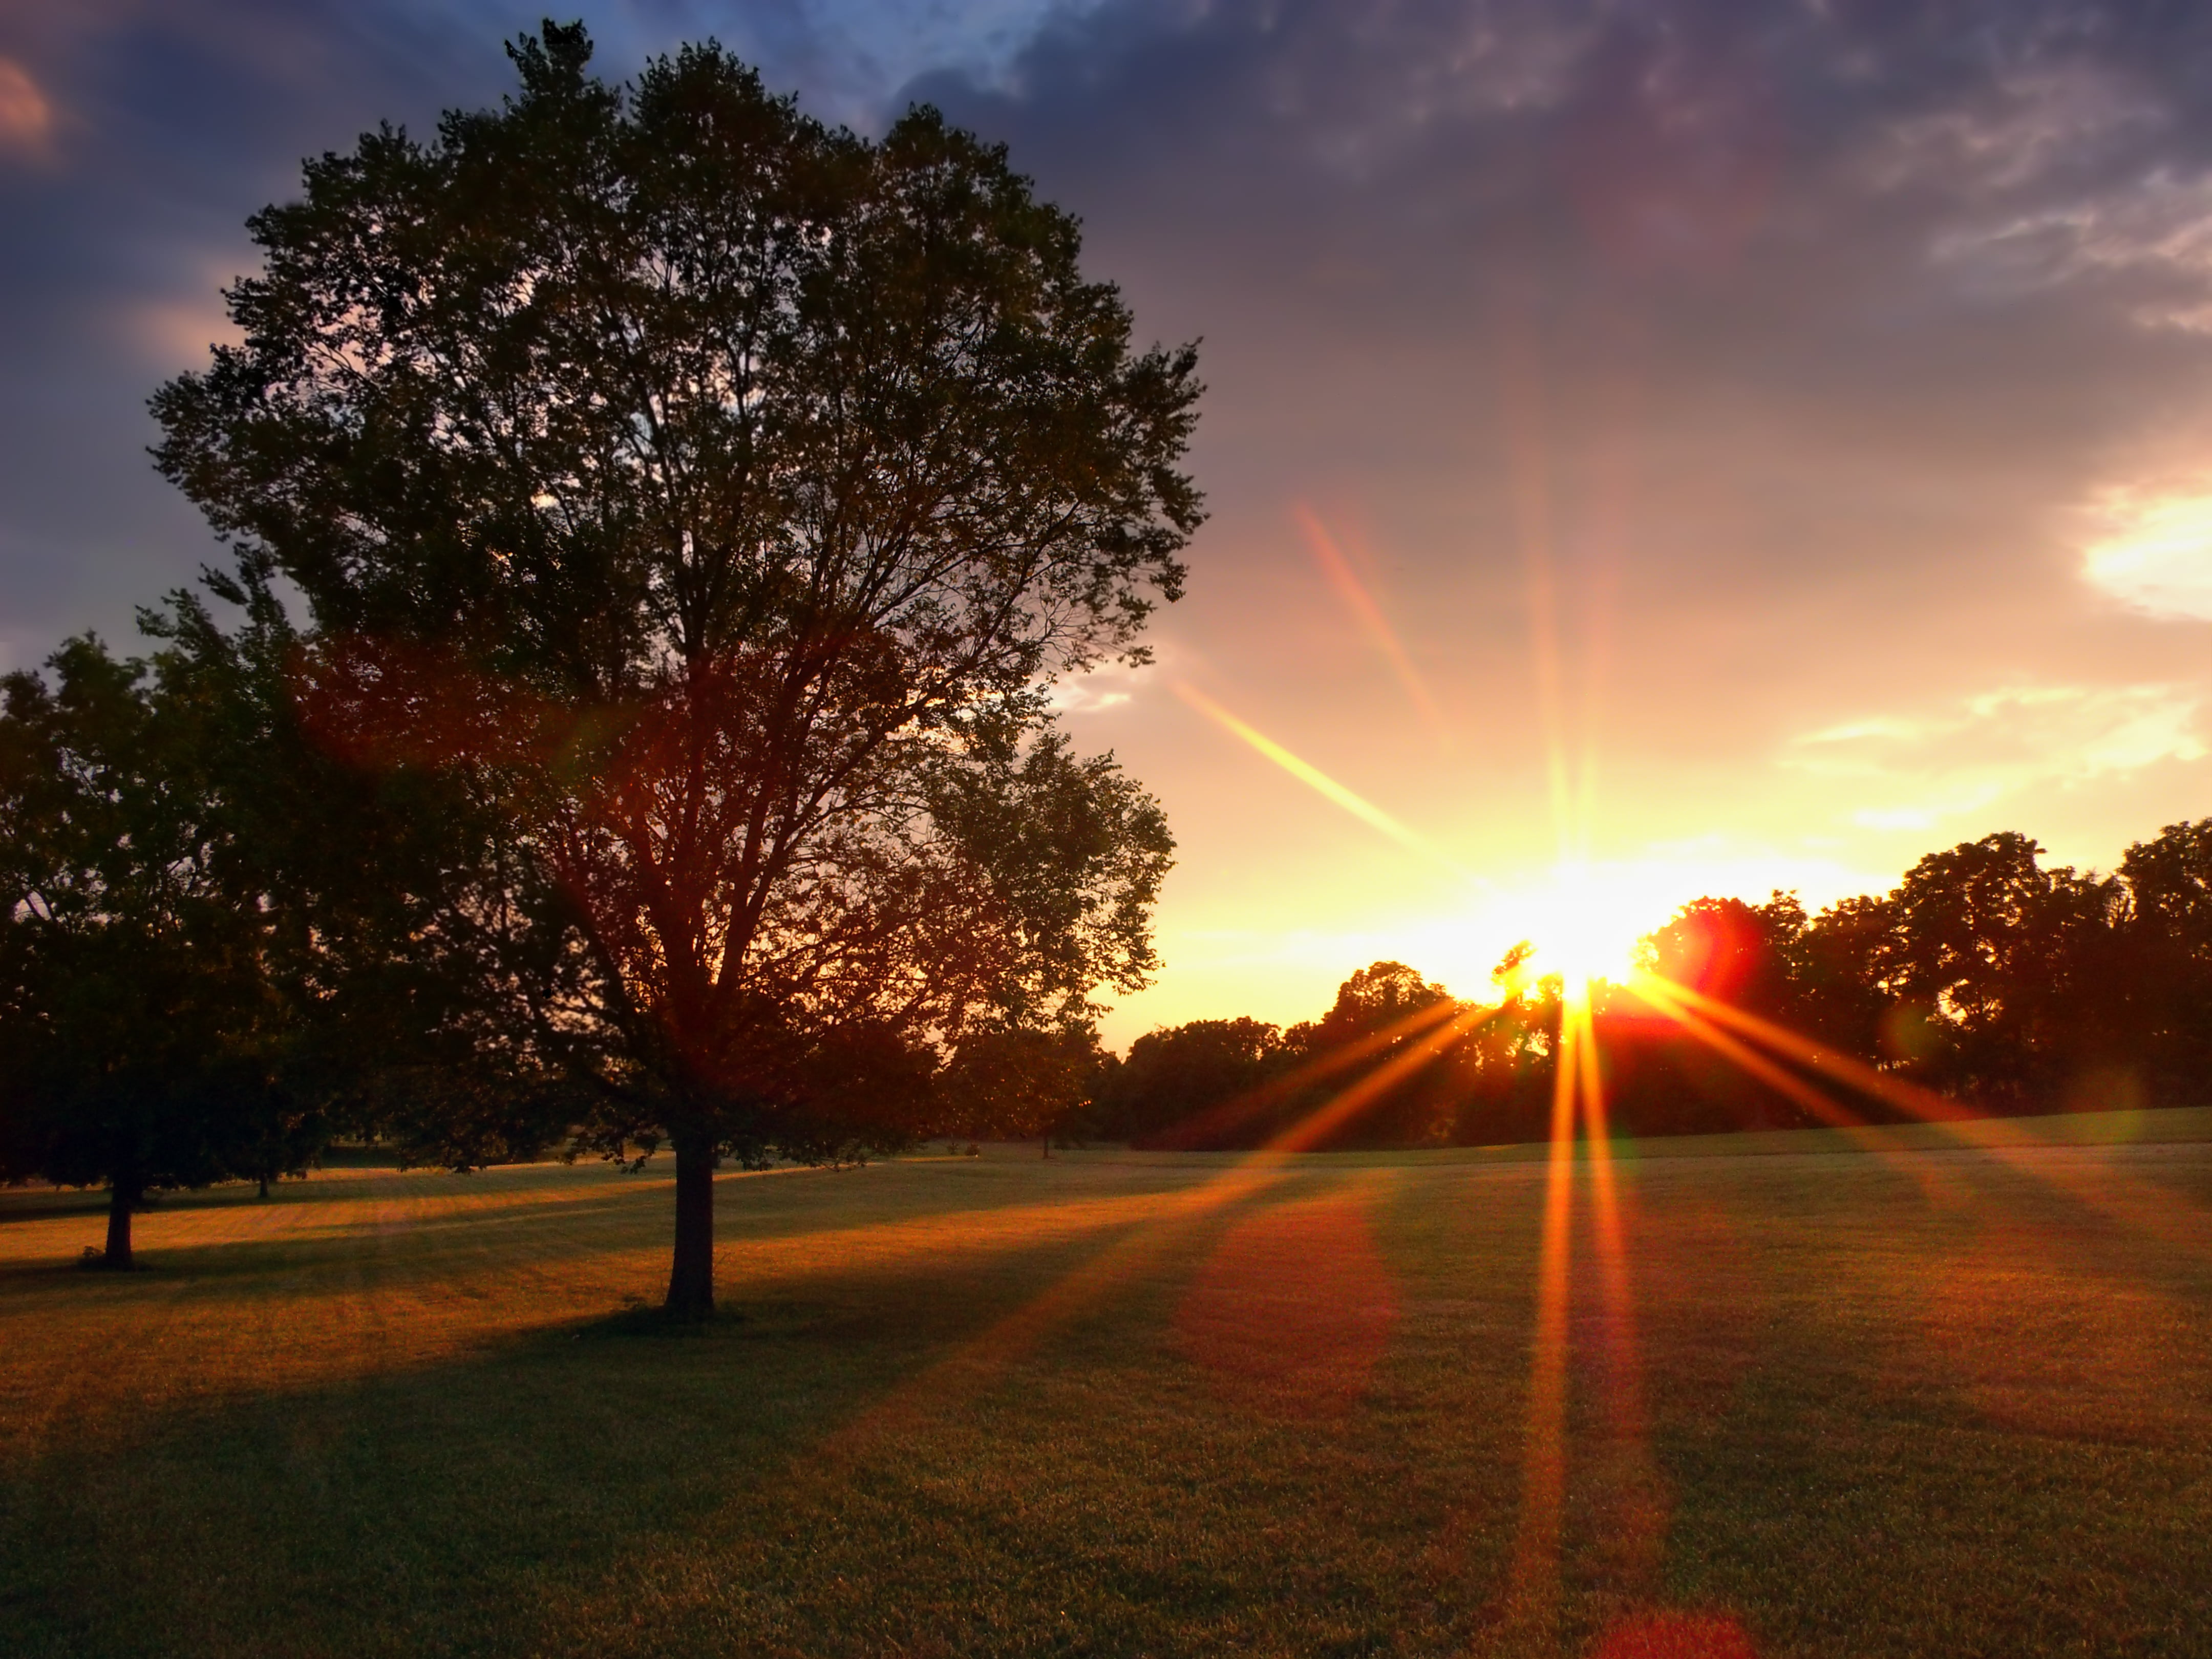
135, 139
1831, 303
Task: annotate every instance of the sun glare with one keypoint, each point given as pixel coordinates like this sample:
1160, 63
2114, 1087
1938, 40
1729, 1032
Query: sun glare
1587, 932
1583, 921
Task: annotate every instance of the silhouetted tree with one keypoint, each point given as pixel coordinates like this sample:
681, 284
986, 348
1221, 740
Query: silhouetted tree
2163, 978
1842, 998
1983, 974
1663, 1078
705, 500
1977, 966
1224, 1083
1727, 948
1502, 1066
150, 1042
1013, 1083
1382, 1012
1376, 998
1208, 1076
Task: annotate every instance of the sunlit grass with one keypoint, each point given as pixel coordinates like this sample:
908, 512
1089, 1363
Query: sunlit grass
1937, 1401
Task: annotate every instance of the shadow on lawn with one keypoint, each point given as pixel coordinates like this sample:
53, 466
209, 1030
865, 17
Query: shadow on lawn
901, 1458
440, 1509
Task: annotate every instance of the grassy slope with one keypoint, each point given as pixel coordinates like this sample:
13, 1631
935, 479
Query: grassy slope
1888, 1402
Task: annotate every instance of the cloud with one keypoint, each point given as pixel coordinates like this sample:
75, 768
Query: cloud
27, 119
1915, 772
2154, 552
1111, 685
2151, 242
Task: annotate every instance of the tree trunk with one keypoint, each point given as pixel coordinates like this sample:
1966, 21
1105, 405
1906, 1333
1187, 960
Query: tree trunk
1047, 1143
122, 1198
264, 1186
691, 1279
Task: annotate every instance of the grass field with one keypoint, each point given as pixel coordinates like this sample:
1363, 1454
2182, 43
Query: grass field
1815, 1398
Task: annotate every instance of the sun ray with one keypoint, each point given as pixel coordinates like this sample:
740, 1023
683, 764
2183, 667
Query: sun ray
1233, 1115
1369, 614
1535, 1580
1659, 993
2140, 1204
1577, 1091
1634, 1497
1121, 1261
1325, 786
1363, 1091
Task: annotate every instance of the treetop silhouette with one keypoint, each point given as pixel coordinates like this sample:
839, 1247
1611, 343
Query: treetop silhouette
714, 495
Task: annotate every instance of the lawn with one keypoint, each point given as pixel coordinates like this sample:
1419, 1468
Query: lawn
1816, 1397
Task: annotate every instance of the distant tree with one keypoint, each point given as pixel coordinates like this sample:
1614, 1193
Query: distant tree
1839, 962
1983, 974
698, 504
1503, 1067
1979, 963
1663, 1078
1208, 1076
1234, 1082
1375, 999
1739, 953
2164, 975
1016, 1083
1381, 1015
150, 1040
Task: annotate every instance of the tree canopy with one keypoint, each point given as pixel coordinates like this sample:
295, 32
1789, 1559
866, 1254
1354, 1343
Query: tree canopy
152, 1031
704, 499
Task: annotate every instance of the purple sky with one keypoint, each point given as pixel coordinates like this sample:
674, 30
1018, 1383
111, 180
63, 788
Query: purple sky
1718, 446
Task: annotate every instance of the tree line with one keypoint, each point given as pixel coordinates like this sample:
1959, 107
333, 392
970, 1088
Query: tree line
624, 721
1986, 979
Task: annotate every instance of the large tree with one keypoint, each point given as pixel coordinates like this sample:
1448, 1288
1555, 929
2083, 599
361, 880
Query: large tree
716, 495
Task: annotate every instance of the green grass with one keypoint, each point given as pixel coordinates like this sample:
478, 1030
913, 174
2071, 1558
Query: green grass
1823, 1399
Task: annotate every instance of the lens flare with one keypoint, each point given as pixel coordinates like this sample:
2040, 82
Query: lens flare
1369, 614
1584, 929
1324, 785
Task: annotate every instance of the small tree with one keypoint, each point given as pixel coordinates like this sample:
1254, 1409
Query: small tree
1013, 1083
1206, 1079
706, 500
148, 1041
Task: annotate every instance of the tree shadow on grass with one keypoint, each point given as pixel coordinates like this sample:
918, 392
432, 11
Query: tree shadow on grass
442, 1508
592, 1486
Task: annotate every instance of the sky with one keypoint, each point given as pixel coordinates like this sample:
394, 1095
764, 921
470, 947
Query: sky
1653, 449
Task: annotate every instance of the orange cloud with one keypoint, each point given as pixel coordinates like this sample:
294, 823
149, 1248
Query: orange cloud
27, 118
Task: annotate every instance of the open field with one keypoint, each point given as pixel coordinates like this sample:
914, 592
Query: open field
1905, 1401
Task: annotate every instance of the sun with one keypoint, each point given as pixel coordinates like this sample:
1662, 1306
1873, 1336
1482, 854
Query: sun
1584, 921
1589, 931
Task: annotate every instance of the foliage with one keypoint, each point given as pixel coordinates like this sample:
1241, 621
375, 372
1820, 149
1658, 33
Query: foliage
1385, 1016
152, 1034
1184, 1076
696, 503
1017, 1083
2165, 1001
